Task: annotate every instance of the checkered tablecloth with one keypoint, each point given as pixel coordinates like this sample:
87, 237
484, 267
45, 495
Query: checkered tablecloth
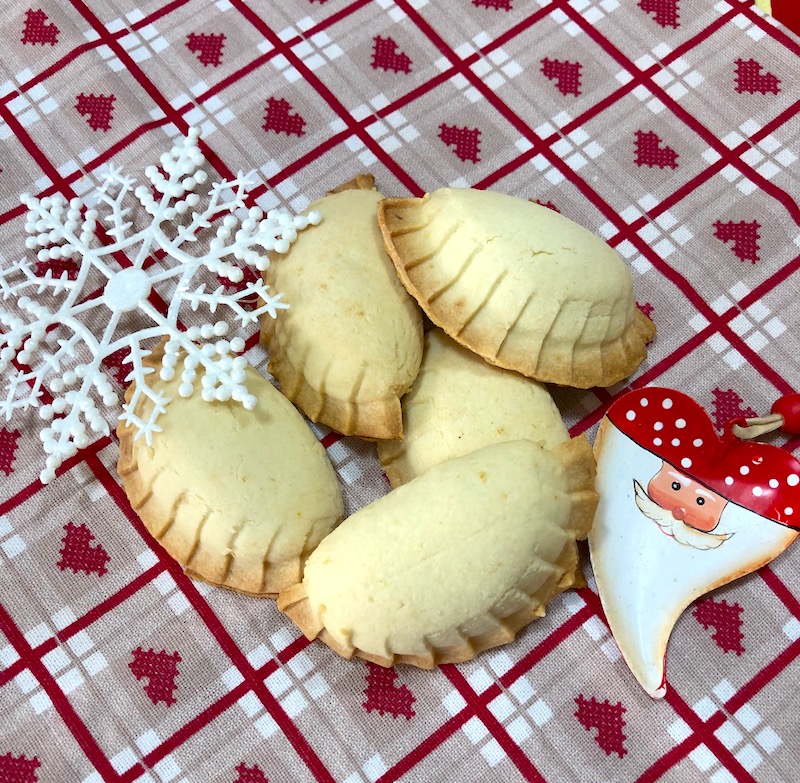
669, 127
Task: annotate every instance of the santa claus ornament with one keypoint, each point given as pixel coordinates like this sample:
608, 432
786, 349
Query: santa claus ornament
683, 511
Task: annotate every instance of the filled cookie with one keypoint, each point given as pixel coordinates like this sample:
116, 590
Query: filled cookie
460, 403
350, 344
238, 497
519, 284
454, 562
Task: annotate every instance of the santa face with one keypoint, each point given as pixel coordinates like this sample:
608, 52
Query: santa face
687, 500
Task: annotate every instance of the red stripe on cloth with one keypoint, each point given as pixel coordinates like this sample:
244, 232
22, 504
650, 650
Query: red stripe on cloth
666, 762
431, 743
553, 640
111, 603
218, 631
764, 677
479, 708
705, 731
62, 705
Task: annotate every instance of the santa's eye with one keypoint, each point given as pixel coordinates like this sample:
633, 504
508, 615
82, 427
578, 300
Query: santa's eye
676, 485
700, 501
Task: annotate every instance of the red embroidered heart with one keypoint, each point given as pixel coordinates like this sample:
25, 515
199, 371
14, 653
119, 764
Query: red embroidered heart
725, 619
728, 406
665, 12
160, 669
607, 719
98, 110
465, 142
18, 769
39, 29
280, 117
751, 77
9, 440
565, 74
207, 46
646, 308
756, 476
386, 54
499, 5
651, 151
743, 235
384, 696
252, 774
79, 554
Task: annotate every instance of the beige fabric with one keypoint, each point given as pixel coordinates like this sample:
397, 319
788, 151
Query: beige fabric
453, 562
350, 345
460, 403
519, 284
237, 497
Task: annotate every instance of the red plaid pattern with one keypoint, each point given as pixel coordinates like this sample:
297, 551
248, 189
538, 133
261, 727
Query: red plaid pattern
669, 127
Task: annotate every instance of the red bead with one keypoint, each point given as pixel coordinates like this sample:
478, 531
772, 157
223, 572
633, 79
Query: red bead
788, 407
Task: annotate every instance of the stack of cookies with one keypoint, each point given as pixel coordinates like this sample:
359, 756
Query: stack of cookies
489, 493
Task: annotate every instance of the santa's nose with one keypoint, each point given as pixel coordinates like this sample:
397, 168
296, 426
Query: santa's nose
679, 513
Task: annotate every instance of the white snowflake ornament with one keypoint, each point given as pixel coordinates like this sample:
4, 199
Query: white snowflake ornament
148, 272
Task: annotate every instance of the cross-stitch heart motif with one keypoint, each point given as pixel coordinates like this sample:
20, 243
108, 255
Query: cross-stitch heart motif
728, 405
751, 77
79, 554
386, 54
500, 5
651, 151
98, 110
742, 236
665, 12
160, 669
18, 769
384, 696
465, 142
280, 117
681, 511
725, 619
39, 29
252, 774
607, 719
9, 440
564, 74
207, 46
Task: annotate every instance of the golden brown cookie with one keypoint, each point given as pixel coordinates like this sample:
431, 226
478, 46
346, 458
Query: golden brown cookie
460, 403
350, 344
454, 562
238, 497
519, 284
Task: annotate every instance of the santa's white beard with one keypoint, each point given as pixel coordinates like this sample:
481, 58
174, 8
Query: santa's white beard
677, 528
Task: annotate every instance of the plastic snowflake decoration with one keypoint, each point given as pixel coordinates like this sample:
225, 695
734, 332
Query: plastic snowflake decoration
92, 235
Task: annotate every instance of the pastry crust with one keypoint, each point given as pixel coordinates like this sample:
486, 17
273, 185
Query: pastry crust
239, 498
460, 403
519, 284
455, 562
350, 344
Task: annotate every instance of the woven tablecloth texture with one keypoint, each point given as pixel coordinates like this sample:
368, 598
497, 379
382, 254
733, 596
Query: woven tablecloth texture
669, 127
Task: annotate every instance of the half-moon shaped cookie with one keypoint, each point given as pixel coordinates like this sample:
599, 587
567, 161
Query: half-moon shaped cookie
350, 344
519, 284
460, 403
455, 561
238, 497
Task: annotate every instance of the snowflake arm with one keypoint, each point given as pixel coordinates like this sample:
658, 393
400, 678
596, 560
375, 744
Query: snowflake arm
94, 238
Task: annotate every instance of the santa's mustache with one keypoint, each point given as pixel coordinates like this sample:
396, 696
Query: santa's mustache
677, 528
